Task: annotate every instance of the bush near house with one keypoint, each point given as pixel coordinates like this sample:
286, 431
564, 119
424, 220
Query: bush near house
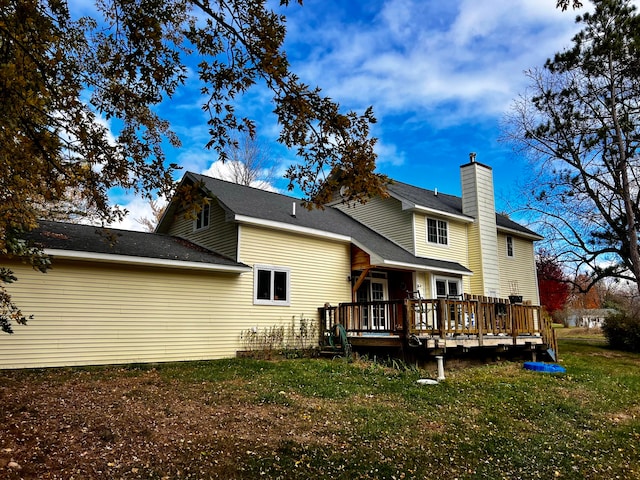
622, 330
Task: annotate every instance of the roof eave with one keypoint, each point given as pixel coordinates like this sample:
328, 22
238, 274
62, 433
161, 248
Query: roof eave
433, 211
428, 268
144, 261
530, 236
314, 232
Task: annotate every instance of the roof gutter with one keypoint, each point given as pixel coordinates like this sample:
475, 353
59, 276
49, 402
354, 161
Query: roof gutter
144, 261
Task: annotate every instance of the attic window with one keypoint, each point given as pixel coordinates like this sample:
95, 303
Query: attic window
437, 231
202, 217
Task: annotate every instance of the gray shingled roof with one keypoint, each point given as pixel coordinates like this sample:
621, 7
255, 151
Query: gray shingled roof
275, 207
88, 238
446, 203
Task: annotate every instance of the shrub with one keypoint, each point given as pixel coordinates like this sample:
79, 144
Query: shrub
622, 330
293, 340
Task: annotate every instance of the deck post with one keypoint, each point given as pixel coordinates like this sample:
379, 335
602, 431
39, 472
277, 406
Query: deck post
514, 323
406, 320
441, 312
479, 321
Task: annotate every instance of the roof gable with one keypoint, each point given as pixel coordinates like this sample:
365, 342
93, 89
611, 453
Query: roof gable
277, 210
448, 204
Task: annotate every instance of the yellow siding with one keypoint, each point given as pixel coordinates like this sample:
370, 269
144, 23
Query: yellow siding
475, 260
319, 271
520, 268
455, 251
423, 284
386, 217
220, 236
90, 313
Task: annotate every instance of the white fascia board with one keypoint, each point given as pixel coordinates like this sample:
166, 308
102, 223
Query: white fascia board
519, 233
143, 261
440, 213
407, 205
426, 268
291, 228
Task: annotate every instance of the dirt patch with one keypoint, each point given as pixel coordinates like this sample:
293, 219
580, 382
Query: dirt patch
141, 427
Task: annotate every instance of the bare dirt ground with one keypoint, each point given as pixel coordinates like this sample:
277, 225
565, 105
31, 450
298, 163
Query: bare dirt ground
78, 424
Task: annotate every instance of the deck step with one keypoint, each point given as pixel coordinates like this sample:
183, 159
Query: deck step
331, 352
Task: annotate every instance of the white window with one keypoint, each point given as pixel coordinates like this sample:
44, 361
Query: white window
202, 217
447, 287
437, 231
510, 247
271, 285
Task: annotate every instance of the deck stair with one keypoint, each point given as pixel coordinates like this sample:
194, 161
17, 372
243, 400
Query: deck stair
336, 343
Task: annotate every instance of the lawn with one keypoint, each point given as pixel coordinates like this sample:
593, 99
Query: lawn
312, 418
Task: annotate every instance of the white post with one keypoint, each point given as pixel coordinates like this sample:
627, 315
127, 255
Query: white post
440, 360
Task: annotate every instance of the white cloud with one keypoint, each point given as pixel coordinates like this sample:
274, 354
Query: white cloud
138, 208
227, 171
420, 56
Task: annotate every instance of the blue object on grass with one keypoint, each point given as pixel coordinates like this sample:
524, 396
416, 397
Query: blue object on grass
544, 367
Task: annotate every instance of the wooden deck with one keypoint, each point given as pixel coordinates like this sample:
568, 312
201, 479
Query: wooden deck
437, 325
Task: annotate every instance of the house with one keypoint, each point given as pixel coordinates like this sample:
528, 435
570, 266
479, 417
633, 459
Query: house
252, 259
588, 317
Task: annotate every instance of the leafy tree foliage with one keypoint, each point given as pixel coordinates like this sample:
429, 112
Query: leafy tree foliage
564, 4
580, 124
61, 78
584, 298
552, 283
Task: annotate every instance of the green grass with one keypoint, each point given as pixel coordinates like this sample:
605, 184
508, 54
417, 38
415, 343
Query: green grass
368, 420
493, 421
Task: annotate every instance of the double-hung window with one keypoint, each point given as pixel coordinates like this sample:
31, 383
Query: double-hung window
510, 247
202, 217
437, 231
271, 285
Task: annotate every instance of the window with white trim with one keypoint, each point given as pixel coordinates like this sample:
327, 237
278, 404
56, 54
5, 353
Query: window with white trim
437, 231
202, 217
447, 287
271, 285
510, 247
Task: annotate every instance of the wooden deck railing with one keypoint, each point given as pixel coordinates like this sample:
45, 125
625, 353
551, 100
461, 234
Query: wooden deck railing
471, 315
379, 317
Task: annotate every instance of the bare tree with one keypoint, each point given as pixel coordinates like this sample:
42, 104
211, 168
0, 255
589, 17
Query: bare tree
72, 207
580, 125
248, 162
157, 210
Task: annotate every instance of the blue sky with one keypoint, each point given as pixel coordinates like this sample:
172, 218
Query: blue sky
440, 76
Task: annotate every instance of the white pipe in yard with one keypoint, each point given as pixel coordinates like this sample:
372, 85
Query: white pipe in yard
440, 360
